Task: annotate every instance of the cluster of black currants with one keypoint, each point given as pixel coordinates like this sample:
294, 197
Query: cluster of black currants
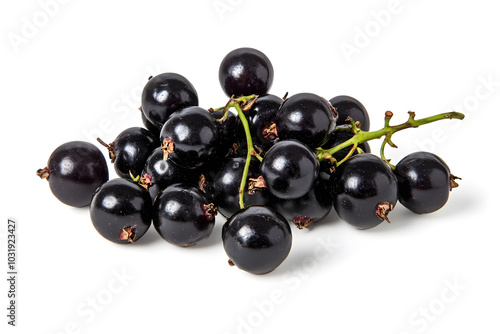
261, 161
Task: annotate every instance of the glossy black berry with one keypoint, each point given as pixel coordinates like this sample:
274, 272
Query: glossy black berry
74, 171
364, 190
424, 182
159, 174
347, 106
308, 209
306, 117
165, 94
121, 211
183, 216
246, 71
130, 150
226, 185
261, 117
257, 239
289, 169
190, 137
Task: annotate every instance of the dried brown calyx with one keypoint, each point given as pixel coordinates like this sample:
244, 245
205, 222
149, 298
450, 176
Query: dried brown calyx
270, 132
453, 182
383, 209
209, 210
145, 181
302, 222
167, 146
127, 233
256, 184
43, 173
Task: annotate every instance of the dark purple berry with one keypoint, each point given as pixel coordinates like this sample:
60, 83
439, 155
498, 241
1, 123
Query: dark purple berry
364, 190
183, 216
347, 106
246, 71
121, 211
289, 169
306, 117
165, 94
424, 182
257, 239
74, 171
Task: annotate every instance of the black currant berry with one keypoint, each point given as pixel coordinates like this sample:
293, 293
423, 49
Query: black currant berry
261, 118
306, 117
130, 150
74, 171
164, 94
159, 174
183, 216
257, 239
121, 211
246, 71
190, 137
364, 190
289, 169
424, 182
308, 209
347, 106
226, 185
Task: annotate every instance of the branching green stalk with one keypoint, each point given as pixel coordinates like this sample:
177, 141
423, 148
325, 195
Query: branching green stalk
237, 103
361, 136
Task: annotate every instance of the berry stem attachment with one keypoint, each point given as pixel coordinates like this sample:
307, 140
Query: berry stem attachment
387, 131
241, 104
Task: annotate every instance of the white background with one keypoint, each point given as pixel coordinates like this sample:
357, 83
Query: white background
75, 70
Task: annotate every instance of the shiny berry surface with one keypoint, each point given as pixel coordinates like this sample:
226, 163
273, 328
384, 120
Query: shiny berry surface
289, 169
121, 211
364, 190
424, 182
347, 106
246, 71
165, 94
261, 116
305, 117
257, 239
74, 171
130, 150
193, 136
182, 215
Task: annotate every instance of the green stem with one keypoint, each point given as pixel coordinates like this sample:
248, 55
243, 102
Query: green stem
387, 131
237, 104
249, 154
